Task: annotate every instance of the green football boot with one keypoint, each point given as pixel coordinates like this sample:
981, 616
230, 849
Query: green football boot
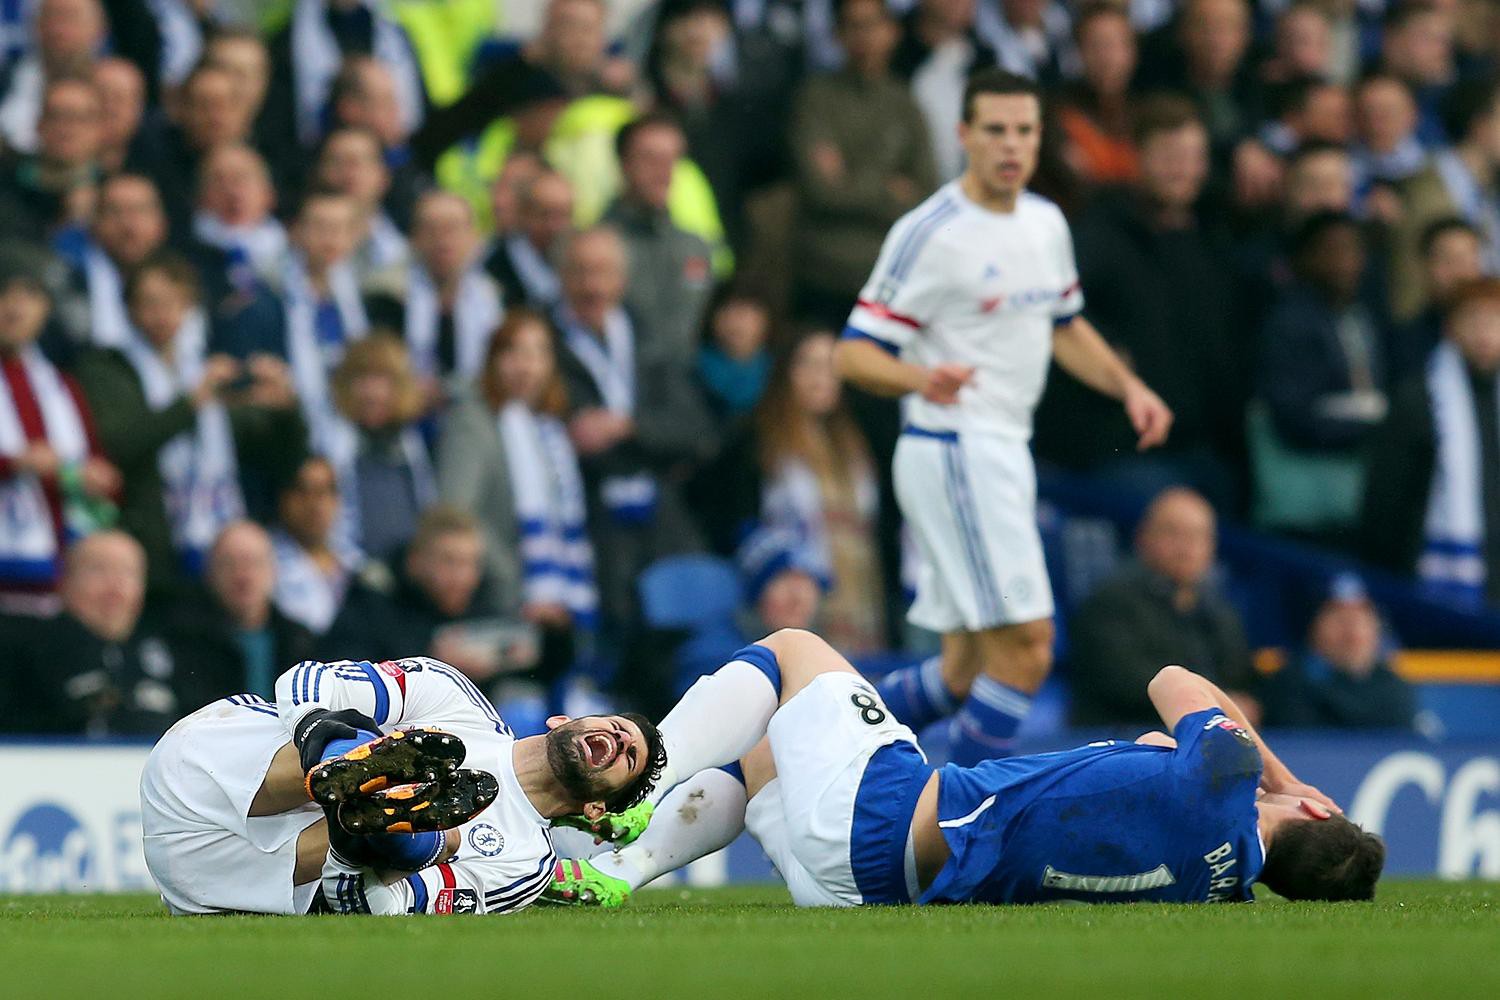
617, 828
578, 883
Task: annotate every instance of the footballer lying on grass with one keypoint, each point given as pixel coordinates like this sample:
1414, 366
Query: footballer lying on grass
843, 801
304, 806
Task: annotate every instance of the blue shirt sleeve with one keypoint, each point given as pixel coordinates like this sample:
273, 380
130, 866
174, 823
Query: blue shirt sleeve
1215, 748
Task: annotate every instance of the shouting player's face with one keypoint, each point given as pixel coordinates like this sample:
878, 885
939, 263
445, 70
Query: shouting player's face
596, 756
1001, 140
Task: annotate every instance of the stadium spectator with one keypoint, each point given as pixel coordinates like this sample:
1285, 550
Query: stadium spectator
861, 158
524, 256
505, 456
437, 606
1343, 679
129, 227
1416, 45
1164, 609
51, 467
45, 192
385, 472
314, 567
1452, 257
1095, 110
573, 46
1157, 280
444, 303
938, 50
306, 56
1321, 379
521, 167
188, 428
68, 35
1458, 181
669, 271
233, 639
122, 112
1302, 45
324, 308
797, 489
365, 95
636, 423
735, 357
1386, 150
99, 669
235, 214
351, 162
207, 114
1432, 494
1029, 37
1308, 109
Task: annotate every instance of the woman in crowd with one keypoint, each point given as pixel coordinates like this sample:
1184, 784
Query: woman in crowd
1094, 112
802, 471
505, 456
52, 474
385, 473
735, 358
185, 425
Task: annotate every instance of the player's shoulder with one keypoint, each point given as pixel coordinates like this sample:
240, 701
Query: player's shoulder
1041, 208
929, 216
1211, 742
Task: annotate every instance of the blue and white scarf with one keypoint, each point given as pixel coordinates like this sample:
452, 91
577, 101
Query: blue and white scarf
557, 561
181, 39
313, 356
109, 324
304, 593
538, 277
253, 251
477, 312
1452, 560
29, 546
317, 59
200, 474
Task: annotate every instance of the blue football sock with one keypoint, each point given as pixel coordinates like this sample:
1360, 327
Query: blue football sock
407, 852
986, 724
337, 748
917, 695
734, 770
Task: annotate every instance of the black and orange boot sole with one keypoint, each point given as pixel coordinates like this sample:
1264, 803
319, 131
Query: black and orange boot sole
401, 758
421, 806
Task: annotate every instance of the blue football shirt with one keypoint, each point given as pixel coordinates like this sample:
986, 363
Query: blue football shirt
1109, 822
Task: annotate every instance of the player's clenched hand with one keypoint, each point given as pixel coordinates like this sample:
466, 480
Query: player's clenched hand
944, 381
1151, 418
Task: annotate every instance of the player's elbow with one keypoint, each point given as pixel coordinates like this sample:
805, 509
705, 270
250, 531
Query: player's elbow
1167, 679
793, 642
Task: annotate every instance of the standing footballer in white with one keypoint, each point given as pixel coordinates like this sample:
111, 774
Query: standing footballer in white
974, 294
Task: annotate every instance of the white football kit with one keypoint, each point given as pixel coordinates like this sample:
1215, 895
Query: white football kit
208, 855
959, 284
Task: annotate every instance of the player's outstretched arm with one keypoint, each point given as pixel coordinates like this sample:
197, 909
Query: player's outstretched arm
1177, 691
1084, 354
874, 369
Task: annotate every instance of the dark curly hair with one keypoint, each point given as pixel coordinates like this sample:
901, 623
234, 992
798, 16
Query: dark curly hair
656, 763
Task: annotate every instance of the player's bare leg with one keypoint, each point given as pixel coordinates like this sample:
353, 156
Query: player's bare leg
284, 787
312, 851
1014, 662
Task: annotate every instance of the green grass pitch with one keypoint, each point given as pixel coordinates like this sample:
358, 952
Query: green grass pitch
1420, 939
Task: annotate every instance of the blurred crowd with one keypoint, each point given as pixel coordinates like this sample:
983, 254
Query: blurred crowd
363, 329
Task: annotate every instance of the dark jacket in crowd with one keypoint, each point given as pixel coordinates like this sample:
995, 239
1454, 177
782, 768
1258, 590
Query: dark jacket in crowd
388, 623
1166, 301
268, 443
669, 284
207, 645
1128, 629
58, 678
1304, 361
1310, 693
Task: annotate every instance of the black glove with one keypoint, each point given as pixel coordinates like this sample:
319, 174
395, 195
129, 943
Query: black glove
321, 727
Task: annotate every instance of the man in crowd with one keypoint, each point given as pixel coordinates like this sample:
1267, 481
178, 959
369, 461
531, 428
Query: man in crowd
129, 226
314, 570
99, 669
1344, 678
43, 193
1452, 257
525, 256
1161, 610
670, 275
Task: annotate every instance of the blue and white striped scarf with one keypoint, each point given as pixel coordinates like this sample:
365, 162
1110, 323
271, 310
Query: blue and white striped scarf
1452, 560
557, 561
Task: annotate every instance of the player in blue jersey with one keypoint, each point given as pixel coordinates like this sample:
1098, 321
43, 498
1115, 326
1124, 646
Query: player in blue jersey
846, 806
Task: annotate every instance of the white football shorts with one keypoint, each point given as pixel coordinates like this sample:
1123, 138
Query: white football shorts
970, 501
205, 851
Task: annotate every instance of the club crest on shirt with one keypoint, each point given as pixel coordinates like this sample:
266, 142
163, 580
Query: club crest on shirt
885, 292
486, 840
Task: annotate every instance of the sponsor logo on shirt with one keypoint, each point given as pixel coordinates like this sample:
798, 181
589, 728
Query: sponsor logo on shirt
1234, 729
456, 901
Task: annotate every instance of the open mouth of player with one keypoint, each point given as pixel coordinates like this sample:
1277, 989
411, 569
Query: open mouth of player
599, 749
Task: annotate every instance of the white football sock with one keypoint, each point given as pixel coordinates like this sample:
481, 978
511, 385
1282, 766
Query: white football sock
698, 817
718, 721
